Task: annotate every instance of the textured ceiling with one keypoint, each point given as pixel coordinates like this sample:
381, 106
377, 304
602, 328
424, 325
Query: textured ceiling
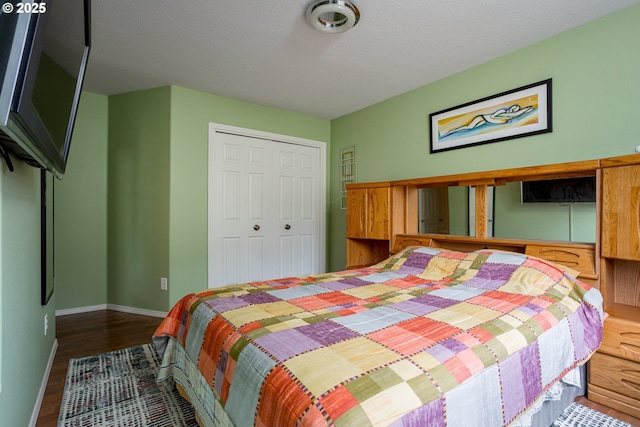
264, 51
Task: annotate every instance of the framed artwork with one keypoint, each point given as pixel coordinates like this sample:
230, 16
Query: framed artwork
523, 111
348, 172
46, 236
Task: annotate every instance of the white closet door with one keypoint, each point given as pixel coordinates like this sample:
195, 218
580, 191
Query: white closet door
264, 209
241, 211
297, 194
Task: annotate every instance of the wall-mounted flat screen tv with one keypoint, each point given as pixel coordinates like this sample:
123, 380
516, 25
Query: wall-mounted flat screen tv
44, 49
563, 191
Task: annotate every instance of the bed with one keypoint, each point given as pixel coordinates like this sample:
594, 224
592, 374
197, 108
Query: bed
430, 336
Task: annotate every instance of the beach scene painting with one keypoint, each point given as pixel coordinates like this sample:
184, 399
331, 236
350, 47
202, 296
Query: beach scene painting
516, 113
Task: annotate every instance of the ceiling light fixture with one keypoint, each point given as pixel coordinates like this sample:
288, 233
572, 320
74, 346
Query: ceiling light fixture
332, 16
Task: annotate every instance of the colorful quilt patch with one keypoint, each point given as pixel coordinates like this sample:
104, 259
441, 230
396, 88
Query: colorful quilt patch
287, 343
373, 320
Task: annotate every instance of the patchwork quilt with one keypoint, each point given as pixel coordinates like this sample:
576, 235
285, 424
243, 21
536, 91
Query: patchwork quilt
426, 338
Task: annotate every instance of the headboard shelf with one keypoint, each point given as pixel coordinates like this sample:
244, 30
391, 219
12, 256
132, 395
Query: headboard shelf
503, 176
399, 219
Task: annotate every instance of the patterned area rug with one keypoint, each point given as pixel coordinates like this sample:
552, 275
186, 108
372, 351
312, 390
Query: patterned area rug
120, 389
579, 415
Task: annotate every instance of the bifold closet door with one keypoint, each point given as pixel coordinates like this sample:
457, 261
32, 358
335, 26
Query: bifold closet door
265, 210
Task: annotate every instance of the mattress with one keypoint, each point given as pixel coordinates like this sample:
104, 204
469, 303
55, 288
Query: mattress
427, 337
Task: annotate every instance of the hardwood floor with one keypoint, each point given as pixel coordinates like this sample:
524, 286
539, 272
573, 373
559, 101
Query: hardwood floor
86, 334
611, 412
98, 332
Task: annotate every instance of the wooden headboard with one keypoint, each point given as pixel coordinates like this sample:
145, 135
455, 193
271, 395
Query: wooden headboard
382, 218
577, 256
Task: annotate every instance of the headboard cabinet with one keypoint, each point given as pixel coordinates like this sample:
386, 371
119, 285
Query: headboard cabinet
382, 219
378, 211
615, 369
375, 212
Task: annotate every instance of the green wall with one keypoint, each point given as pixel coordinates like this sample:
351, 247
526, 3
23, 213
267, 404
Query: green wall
596, 88
191, 113
80, 211
138, 198
24, 349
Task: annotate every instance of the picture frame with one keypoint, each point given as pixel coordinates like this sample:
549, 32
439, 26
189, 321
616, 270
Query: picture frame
46, 237
516, 113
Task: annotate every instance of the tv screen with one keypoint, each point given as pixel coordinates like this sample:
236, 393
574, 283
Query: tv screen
564, 191
43, 59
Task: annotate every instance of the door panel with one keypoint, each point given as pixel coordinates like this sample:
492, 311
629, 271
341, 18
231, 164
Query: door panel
357, 213
298, 176
241, 182
378, 213
286, 267
231, 188
308, 198
255, 260
231, 252
286, 198
621, 213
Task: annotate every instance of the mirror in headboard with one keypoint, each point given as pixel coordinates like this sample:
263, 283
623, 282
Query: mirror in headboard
443, 210
450, 210
543, 220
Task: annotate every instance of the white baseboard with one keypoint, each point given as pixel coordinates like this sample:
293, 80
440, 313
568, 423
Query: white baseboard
43, 385
78, 310
134, 310
114, 307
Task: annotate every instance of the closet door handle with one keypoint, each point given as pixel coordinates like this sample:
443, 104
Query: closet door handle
287, 227
256, 227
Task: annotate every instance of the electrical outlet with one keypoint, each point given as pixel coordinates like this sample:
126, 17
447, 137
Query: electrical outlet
163, 283
46, 323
